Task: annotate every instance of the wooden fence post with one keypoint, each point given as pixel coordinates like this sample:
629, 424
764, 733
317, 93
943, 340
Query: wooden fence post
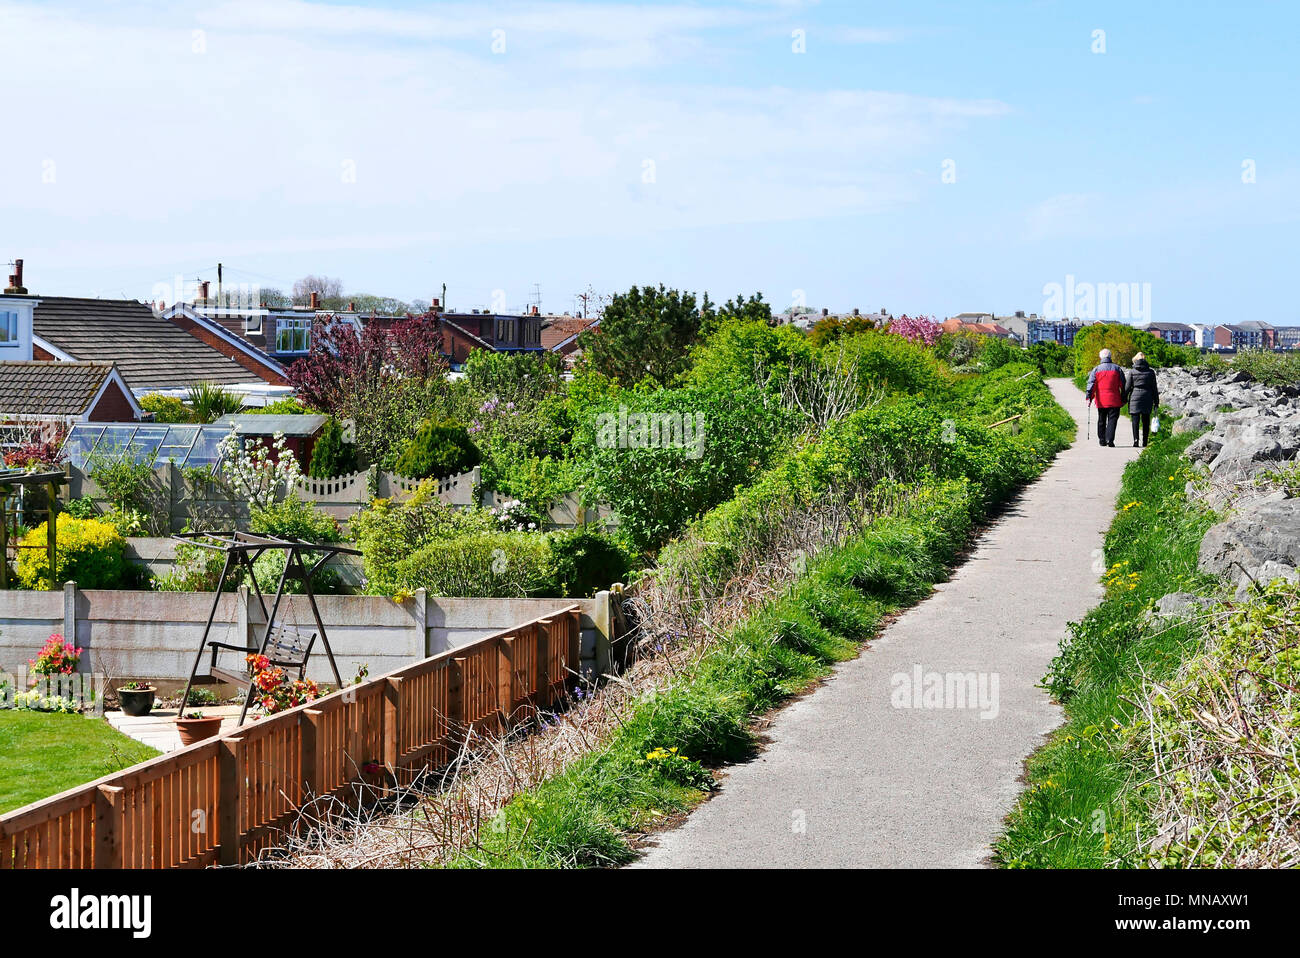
543, 692
312, 772
456, 707
505, 680
392, 740
109, 807
573, 621
229, 795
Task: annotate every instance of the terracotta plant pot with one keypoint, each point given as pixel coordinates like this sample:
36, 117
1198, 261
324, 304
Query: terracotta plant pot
196, 730
136, 701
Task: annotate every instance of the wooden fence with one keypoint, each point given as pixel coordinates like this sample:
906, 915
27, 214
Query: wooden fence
223, 800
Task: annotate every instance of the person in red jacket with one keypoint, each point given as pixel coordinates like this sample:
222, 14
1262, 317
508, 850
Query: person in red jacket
1107, 387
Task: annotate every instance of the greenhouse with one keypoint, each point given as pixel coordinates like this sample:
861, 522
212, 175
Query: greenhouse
184, 445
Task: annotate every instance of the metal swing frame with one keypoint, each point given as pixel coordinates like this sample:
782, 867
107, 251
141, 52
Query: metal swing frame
242, 549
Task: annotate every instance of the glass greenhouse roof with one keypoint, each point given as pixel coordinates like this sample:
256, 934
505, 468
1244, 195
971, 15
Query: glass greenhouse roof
185, 445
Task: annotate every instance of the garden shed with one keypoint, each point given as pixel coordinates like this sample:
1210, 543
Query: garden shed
300, 431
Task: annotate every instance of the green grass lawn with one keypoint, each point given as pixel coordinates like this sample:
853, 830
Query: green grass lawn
44, 753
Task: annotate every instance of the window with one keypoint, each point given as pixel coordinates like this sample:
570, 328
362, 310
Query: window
505, 330
292, 335
253, 325
8, 328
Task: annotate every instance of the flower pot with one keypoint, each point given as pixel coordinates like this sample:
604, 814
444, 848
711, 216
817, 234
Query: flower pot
196, 730
136, 701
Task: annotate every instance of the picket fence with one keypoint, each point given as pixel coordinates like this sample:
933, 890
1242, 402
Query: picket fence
222, 801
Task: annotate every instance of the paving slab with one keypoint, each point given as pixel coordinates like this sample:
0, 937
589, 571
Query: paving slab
877, 769
158, 728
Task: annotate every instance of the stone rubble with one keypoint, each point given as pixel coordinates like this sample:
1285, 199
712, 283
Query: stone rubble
1253, 429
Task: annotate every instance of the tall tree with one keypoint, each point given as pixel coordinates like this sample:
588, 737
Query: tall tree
644, 333
387, 380
327, 287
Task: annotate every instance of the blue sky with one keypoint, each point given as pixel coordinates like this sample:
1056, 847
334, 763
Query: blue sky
494, 146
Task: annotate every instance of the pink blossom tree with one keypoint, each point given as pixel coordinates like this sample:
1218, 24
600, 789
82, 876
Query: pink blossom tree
917, 329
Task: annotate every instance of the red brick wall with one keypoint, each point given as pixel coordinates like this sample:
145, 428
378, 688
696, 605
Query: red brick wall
113, 406
38, 353
456, 344
227, 349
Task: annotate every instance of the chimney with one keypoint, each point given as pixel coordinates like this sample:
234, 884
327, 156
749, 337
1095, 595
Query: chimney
16, 287
537, 310
203, 291
314, 302
352, 307
855, 311
436, 305
825, 311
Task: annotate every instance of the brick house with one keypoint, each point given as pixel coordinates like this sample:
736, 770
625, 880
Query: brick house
1180, 334
35, 394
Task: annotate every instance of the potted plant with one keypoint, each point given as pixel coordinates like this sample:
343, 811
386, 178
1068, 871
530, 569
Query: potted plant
195, 727
136, 698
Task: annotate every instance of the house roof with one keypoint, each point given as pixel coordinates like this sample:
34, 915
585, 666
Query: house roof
50, 389
149, 349
268, 424
559, 329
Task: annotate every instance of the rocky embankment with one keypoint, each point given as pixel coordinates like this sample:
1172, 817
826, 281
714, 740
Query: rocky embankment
1254, 431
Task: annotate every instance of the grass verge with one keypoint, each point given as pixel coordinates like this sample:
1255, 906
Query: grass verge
658, 763
1088, 792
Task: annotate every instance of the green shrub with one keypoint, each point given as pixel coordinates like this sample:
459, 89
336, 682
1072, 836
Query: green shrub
439, 449
196, 569
732, 435
1124, 342
90, 552
294, 518
1052, 359
331, 456
488, 565
208, 402
391, 529
997, 352
82, 508
166, 408
894, 363
584, 561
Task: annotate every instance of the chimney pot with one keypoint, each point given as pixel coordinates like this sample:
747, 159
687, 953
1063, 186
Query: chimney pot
203, 291
314, 302
16, 286
855, 311
825, 311
352, 307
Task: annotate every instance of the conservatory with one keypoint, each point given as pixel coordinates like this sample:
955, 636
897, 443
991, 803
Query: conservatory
183, 445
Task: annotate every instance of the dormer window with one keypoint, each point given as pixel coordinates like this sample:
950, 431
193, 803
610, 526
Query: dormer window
8, 328
253, 325
293, 335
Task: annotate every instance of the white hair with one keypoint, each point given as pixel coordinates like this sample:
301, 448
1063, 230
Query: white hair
1104, 355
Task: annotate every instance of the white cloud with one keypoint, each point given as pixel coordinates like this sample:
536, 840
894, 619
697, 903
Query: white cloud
166, 153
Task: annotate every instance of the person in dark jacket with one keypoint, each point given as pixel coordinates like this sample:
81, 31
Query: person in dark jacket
1106, 387
1143, 397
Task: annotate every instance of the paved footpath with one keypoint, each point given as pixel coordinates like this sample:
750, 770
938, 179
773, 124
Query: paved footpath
849, 779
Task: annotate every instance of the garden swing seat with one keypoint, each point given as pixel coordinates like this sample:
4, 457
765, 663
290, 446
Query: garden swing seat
287, 646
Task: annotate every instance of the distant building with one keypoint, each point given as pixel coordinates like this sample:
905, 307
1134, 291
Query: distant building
1252, 334
1180, 334
1033, 328
956, 325
1288, 337
1203, 335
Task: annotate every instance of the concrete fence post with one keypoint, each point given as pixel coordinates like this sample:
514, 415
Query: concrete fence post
70, 612
421, 623
602, 618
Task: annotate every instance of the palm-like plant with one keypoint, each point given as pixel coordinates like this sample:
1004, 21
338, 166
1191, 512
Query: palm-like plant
209, 402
